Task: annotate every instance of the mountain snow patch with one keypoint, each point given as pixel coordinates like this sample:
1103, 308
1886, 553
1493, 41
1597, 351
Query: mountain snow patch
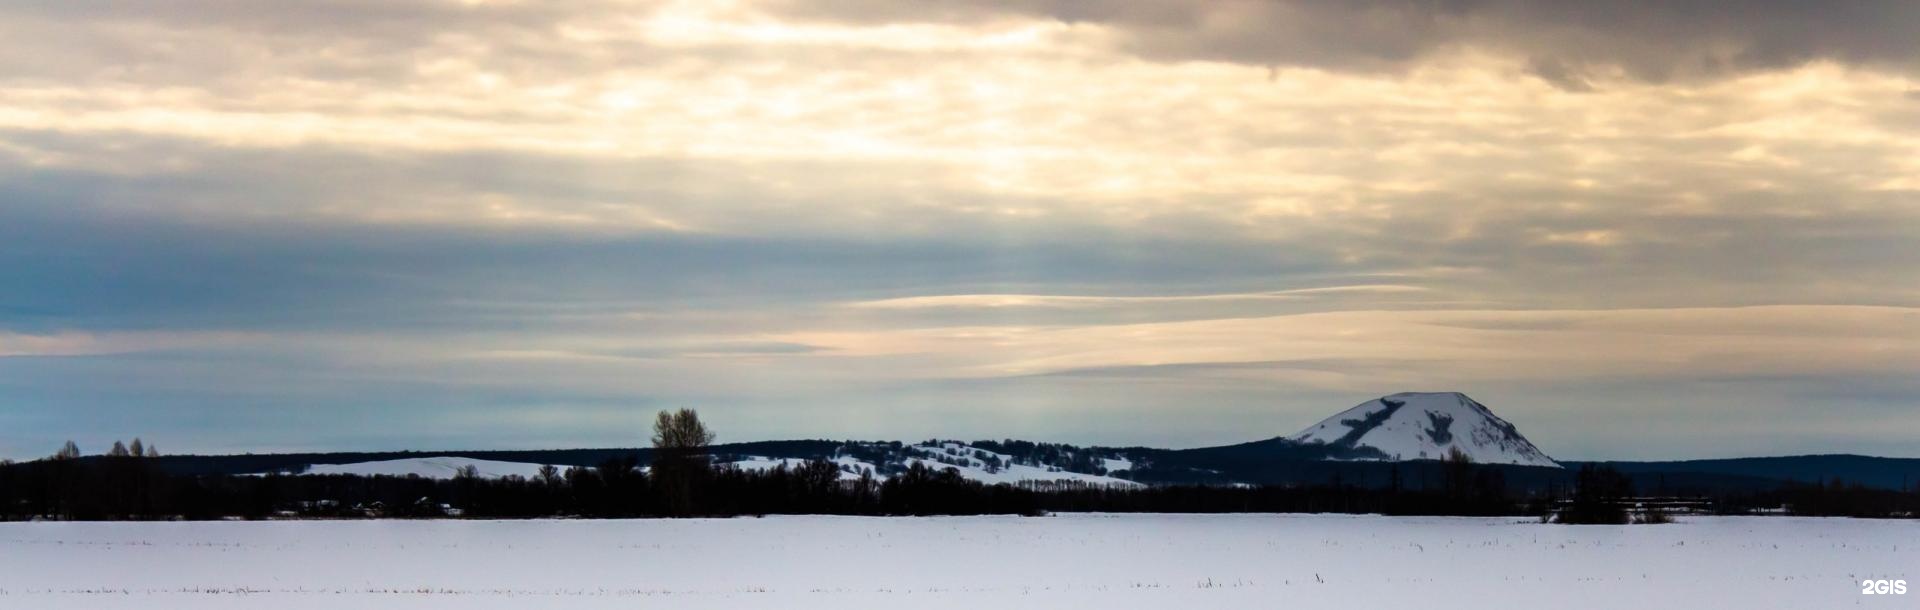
1425, 426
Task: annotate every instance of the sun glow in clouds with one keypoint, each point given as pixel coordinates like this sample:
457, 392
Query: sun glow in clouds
809, 214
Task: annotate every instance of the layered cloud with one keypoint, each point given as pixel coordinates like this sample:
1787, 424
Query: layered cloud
1563, 42
502, 221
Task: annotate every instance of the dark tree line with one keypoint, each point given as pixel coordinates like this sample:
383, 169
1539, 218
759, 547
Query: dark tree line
682, 480
119, 484
101, 488
1832, 498
116, 488
1065, 457
1599, 497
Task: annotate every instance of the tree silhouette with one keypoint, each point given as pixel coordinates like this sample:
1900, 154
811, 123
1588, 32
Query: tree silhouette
680, 464
1597, 496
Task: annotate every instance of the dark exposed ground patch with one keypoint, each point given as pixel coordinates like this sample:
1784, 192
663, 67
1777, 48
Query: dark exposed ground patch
1507, 431
1440, 430
1360, 427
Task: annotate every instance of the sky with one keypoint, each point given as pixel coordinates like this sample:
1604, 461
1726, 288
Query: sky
1640, 229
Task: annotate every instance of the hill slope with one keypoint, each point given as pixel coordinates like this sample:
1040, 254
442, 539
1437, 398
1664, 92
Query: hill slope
1426, 425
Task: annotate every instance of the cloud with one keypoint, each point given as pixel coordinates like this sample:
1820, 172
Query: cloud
1429, 348
82, 344
905, 219
1001, 301
1643, 39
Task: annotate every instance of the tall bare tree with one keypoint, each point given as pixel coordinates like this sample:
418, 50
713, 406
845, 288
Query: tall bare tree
681, 432
680, 463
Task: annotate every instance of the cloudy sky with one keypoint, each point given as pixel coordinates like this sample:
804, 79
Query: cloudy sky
1636, 229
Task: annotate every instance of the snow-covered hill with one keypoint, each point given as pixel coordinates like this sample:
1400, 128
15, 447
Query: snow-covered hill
444, 467
1426, 425
973, 463
881, 459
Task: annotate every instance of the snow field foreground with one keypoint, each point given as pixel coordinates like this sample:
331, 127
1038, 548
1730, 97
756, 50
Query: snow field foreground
1066, 561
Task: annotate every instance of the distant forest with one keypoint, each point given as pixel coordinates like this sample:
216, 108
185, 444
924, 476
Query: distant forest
682, 480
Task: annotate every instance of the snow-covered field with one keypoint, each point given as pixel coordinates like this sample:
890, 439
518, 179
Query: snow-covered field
1068, 561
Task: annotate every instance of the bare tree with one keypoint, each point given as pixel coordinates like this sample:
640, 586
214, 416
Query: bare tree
680, 431
680, 461
152, 451
549, 475
68, 451
137, 449
118, 450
